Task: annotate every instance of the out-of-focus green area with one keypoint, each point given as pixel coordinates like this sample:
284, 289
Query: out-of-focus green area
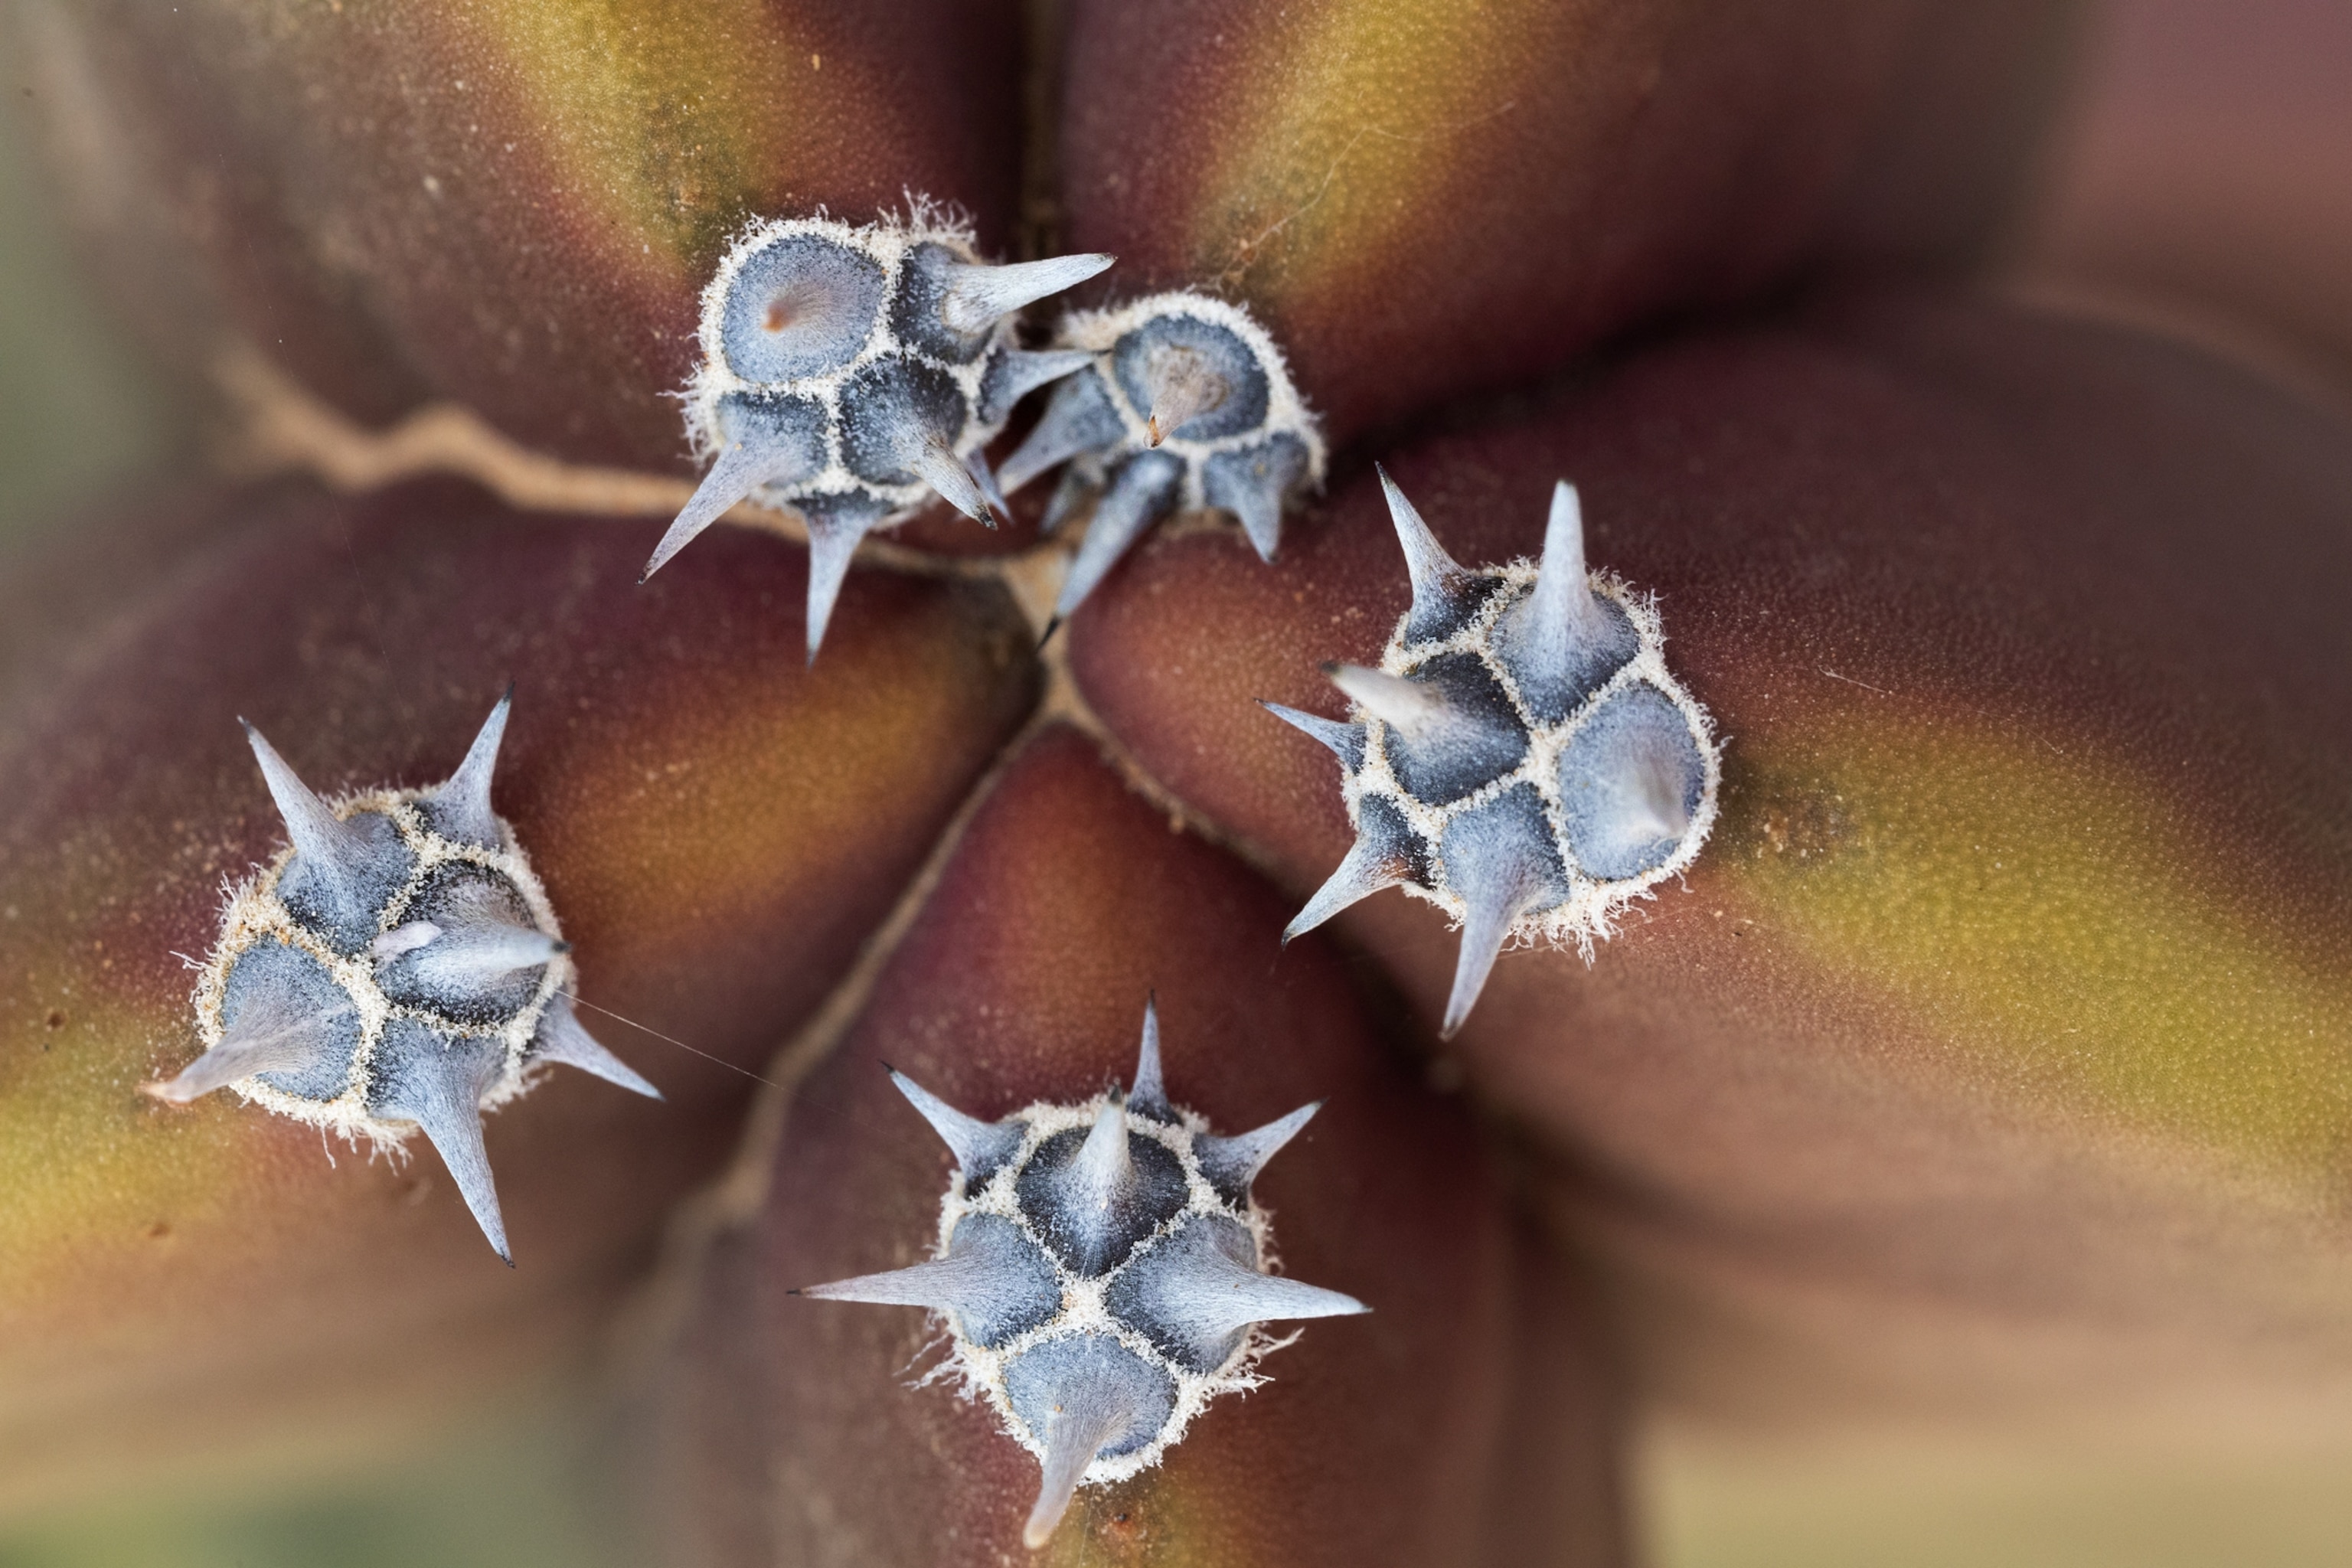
81, 415
79, 409
525, 1495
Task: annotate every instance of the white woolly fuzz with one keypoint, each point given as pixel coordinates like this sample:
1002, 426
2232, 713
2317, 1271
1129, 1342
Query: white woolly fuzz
1101, 1273
1522, 758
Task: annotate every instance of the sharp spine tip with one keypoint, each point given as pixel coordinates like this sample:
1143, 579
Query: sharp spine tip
1087, 1413
1077, 418
1402, 704
332, 847
1484, 932
1142, 492
831, 546
973, 1142
1559, 613
562, 1039
1436, 575
737, 471
1343, 740
444, 1100
270, 1035
463, 800
1150, 1094
976, 462
953, 480
977, 293
1365, 869
1235, 1162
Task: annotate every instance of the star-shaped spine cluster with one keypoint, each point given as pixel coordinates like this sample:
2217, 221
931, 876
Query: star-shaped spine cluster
1522, 757
1186, 403
851, 374
397, 966
1102, 1271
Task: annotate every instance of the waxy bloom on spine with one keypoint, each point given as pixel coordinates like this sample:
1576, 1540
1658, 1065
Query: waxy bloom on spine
1522, 758
397, 966
1102, 1271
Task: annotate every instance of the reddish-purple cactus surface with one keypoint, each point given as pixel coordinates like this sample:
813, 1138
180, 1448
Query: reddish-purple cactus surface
1938, 705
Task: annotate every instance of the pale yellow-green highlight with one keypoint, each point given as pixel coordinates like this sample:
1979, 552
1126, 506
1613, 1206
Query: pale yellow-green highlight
2064, 920
1335, 148
527, 1488
668, 118
89, 1165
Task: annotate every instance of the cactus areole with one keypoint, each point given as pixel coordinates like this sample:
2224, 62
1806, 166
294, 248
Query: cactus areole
1102, 1269
851, 374
1522, 757
396, 966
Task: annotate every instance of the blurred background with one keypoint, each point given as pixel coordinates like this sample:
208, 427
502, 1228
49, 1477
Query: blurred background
2200, 181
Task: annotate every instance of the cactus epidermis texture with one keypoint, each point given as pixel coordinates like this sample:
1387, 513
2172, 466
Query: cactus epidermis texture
1102, 1269
396, 966
852, 374
1187, 403
1522, 757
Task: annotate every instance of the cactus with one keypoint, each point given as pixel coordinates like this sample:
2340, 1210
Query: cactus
2002, 819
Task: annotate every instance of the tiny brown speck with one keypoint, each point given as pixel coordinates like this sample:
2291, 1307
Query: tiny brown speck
57, 1018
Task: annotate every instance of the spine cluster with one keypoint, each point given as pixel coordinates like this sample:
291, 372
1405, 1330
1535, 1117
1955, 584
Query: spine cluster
853, 373
1185, 403
1102, 1271
1522, 758
396, 966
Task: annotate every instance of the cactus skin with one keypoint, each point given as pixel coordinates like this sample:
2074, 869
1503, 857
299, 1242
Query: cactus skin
1413, 1435
198, 1279
1797, 1115
2030, 857
1420, 202
510, 205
